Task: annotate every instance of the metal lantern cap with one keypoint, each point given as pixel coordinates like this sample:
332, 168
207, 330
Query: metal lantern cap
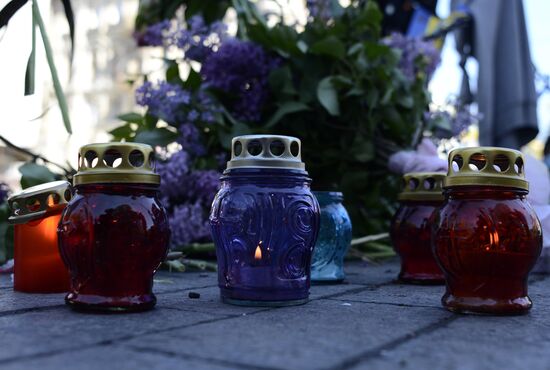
266, 151
35, 202
491, 166
422, 186
116, 163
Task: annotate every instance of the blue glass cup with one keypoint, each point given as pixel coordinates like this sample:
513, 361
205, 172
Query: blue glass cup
264, 223
334, 239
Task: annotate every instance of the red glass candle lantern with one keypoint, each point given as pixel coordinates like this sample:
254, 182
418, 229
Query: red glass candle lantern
114, 232
36, 211
486, 236
411, 227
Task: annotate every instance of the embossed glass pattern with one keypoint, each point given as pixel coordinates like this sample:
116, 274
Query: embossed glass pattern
410, 233
486, 239
113, 237
334, 238
264, 224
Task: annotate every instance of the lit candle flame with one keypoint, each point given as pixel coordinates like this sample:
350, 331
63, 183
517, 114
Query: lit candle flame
493, 240
493, 236
258, 252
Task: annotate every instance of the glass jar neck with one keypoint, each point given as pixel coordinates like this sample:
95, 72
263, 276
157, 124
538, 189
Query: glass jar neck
266, 176
117, 188
484, 192
328, 197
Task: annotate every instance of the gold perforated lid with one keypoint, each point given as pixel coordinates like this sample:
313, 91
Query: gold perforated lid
35, 202
266, 151
486, 166
116, 163
422, 186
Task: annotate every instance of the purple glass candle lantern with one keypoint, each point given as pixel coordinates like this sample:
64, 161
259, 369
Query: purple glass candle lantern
264, 223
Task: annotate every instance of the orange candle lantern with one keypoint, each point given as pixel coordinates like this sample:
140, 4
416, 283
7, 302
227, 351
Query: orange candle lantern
38, 267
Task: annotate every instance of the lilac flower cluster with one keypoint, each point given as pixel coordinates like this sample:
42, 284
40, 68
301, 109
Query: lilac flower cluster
154, 35
188, 223
319, 9
416, 55
4, 191
187, 194
164, 100
199, 40
241, 70
458, 122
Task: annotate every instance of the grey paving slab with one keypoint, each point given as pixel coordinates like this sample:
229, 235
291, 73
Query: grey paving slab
370, 322
113, 357
167, 282
399, 294
209, 301
372, 273
319, 335
12, 302
42, 332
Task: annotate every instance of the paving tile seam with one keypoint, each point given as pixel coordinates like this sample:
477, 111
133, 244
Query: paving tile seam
350, 291
181, 290
209, 360
123, 338
22, 311
387, 303
376, 352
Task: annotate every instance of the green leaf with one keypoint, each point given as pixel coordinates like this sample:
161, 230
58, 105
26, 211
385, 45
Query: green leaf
362, 149
122, 132
6, 234
34, 174
328, 96
157, 137
406, 101
330, 46
31, 63
280, 81
131, 117
173, 73
53, 70
193, 81
286, 108
150, 121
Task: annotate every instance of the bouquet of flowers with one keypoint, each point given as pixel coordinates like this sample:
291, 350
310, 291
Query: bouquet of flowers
352, 95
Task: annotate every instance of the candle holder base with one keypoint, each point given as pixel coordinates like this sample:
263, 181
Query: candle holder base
487, 306
242, 302
327, 281
94, 303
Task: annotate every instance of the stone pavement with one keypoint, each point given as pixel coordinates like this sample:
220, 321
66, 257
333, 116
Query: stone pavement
368, 323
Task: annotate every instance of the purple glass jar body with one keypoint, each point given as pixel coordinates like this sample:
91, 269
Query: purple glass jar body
264, 224
113, 237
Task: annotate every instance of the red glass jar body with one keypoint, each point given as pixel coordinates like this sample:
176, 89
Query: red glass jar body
113, 237
410, 233
38, 267
486, 240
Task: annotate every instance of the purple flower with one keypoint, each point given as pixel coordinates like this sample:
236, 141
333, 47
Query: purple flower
416, 55
319, 9
155, 34
241, 69
164, 100
4, 192
199, 39
205, 184
188, 223
463, 119
189, 138
193, 115
446, 125
173, 174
